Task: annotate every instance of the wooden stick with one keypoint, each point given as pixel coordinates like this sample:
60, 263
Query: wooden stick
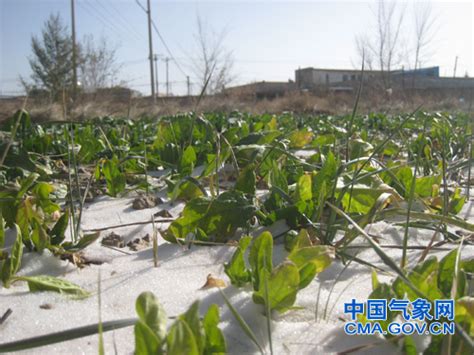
128, 225
5, 316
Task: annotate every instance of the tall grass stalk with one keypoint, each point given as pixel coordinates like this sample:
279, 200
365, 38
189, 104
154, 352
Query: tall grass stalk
267, 304
242, 323
332, 218
411, 197
354, 109
76, 178
72, 226
318, 297
155, 242
65, 335
100, 328
385, 258
13, 132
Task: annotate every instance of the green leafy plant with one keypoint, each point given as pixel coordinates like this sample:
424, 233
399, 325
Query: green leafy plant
114, 178
276, 288
447, 278
212, 219
187, 335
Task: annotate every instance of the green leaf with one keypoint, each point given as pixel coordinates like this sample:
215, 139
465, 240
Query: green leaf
25, 215
113, 177
298, 139
215, 341
41, 191
277, 178
424, 278
303, 188
50, 283
187, 161
424, 185
12, 264
185, 189
39, 237
319, 255
191, 318
359, 148
326, 176
307, 274
236, 269
302, 240
152, 314
247, 180
181, 340
456, 201
283, 285
446, 272
310, 261
375, 279
260, 257
146, 341
59, 229
26, 184
216, 217
2, 230
84, 242
409, 346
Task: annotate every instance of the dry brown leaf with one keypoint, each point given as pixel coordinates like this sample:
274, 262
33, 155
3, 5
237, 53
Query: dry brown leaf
213, 282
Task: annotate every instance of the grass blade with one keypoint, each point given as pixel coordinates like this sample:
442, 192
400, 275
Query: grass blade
385, 258
243, 324
65, 335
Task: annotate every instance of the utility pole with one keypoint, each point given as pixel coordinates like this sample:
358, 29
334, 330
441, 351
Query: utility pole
189, 85
455, 66
156, 76
150, 56
74, 54
167, 77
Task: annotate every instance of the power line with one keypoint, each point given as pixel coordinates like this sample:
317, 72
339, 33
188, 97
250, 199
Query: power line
141, 6
122, 20
91, 12
167, 48
162, 40
105, 20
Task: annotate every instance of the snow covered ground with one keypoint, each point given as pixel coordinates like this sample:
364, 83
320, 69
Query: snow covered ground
177, 282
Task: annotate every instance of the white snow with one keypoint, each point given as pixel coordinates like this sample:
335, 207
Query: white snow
177, 281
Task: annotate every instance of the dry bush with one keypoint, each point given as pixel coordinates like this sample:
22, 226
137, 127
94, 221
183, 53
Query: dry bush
90, 106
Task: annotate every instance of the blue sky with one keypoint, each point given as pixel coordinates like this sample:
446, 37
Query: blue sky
269, 39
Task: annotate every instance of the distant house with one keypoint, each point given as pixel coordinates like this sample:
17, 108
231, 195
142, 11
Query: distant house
315, 78
262, 89
346, 79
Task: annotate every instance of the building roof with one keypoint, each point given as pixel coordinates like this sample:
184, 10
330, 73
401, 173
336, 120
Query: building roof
339, 70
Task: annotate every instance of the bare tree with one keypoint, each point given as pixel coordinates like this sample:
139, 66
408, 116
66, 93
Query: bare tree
364, 52
383, 46
214, 60
425, 31
98, 67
